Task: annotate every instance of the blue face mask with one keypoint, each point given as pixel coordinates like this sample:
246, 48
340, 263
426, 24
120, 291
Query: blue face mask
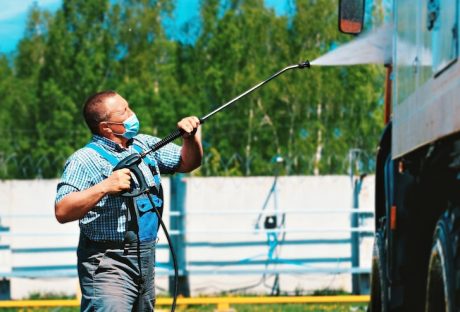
131, 127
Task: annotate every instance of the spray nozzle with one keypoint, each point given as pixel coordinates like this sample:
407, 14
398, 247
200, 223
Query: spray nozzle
304, 64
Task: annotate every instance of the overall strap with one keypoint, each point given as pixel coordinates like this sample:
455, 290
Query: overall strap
147, 161
138, 148
106, 155
157, 190
109, 157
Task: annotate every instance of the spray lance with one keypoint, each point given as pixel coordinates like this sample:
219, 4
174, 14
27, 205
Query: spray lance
132, 162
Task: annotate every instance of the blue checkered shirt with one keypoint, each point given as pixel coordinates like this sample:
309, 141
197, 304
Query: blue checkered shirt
86, 168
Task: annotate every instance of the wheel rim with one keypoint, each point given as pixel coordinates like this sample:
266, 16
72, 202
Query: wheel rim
436, 294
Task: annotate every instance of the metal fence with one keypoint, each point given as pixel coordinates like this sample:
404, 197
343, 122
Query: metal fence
266, 248
272, 236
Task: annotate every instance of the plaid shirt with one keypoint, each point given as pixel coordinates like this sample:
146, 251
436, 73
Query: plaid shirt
86, 168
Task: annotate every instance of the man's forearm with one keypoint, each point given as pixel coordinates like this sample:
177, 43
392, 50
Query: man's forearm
75, 205
192, 153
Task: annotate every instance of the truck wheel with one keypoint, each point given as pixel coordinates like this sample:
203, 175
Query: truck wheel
441, 269
379, 286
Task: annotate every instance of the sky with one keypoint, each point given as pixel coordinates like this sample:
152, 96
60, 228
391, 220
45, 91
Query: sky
13, 16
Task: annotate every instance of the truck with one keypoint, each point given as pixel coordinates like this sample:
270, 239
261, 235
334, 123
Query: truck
416, 253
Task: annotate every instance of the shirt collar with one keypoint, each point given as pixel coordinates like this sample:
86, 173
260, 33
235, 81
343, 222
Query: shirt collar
109, 144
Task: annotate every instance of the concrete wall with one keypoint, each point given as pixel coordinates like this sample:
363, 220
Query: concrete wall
27, 208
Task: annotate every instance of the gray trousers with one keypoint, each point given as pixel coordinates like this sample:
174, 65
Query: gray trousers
116, 279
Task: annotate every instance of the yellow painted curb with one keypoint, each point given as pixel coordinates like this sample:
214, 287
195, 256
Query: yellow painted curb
201, 301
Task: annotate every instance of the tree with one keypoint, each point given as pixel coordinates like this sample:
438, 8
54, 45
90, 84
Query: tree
20, 107
339, 100
76, 63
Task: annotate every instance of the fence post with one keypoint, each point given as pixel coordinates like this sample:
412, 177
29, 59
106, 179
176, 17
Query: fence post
357, 178
5, 289
177, 223
356, 289
5, 266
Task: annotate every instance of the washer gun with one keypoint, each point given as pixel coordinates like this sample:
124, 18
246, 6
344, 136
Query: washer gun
132, 162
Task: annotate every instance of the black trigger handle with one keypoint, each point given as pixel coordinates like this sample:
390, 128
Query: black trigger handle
132, 162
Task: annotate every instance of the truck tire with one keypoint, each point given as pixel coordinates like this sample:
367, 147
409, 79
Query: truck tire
440, 291
379, 284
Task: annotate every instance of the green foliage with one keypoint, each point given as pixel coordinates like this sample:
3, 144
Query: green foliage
49, 296
312, 118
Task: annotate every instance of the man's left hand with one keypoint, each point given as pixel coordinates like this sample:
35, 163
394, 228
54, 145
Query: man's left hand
189, 125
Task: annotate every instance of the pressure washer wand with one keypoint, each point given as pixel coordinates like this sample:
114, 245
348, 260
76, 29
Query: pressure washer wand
132, 161
179, 132
301, 65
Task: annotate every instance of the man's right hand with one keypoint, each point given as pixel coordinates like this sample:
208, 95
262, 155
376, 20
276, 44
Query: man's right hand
119, 180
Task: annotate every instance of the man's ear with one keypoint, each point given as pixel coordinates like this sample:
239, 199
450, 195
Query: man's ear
104, 128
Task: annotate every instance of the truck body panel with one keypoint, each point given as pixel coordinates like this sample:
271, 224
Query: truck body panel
426, 80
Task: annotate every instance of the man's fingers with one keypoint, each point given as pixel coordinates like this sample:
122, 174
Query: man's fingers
126, 186
195, 121
125, 182
189, 124
125, 171
122, 179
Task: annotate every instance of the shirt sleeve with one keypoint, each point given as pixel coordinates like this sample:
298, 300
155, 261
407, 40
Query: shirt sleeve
75, 178
167, 157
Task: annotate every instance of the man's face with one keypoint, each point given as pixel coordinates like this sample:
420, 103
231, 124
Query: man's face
117, 112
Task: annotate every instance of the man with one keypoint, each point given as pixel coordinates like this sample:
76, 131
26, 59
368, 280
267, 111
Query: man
116, 251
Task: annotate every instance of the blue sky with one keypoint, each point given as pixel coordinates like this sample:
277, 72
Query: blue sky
13, 16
